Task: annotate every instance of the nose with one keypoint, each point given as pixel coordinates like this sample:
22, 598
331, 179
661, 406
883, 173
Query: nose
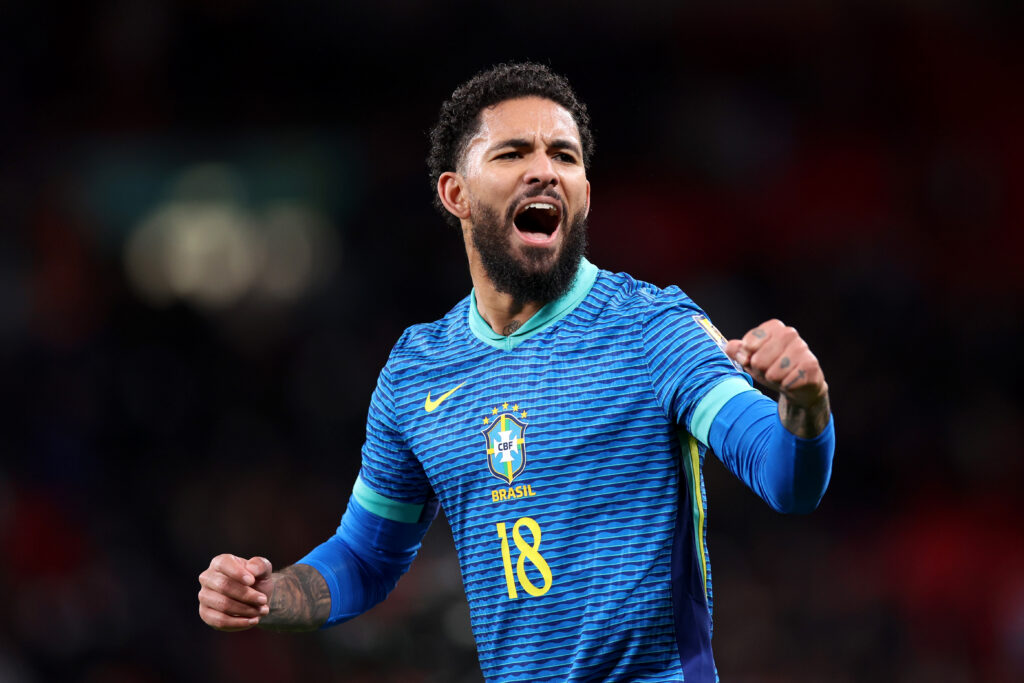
541, 171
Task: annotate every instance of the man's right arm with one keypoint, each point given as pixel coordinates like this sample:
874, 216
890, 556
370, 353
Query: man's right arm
344, 576
352, 570
238, 594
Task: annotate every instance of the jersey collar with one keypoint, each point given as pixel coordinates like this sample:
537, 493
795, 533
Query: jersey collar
548, 315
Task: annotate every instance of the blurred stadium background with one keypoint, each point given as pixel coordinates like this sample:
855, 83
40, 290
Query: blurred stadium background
216, 223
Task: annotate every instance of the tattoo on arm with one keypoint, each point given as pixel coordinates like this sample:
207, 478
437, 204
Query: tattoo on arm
806, 422
301, 600
511, 327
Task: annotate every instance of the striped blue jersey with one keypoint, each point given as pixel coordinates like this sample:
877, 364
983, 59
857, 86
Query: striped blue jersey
567, 460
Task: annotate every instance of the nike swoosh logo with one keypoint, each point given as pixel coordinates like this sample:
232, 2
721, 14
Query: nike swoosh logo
429, 406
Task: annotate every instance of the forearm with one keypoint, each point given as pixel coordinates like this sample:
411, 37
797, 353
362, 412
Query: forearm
788, 471
805, 422
360, 564
796, 470
301, 600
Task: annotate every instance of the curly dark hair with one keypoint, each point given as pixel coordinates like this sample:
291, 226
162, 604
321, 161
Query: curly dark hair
460, 114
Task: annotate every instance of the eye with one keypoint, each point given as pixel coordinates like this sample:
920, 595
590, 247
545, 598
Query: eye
508, 155
565, 157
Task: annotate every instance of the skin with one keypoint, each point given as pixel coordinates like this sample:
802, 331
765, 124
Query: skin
776, 356
238, 594
522, 144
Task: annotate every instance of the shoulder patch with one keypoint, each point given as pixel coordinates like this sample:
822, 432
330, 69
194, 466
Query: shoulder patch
715, 335
711, 331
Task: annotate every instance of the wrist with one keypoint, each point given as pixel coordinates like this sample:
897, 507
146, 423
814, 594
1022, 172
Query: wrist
805, 421
300, 600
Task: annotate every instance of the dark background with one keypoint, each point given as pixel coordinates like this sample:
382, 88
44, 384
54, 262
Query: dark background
216, 222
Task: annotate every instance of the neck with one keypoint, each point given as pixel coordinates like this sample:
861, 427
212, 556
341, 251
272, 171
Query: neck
504, 314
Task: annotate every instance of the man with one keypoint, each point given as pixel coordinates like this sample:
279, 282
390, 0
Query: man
560, 414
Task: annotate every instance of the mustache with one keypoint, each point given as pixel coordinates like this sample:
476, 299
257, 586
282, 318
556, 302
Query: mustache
510, 213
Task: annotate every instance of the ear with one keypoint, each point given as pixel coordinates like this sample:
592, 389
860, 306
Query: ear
587, 209
451, 189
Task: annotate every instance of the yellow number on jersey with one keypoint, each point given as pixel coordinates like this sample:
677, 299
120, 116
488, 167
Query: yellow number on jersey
527, 551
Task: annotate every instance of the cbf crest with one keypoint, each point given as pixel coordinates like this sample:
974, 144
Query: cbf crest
505, 436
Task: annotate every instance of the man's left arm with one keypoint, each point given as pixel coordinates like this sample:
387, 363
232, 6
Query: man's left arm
782, 451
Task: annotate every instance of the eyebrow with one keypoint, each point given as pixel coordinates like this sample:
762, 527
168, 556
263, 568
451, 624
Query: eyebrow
559, 143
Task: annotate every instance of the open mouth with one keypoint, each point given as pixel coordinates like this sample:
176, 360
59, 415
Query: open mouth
537, 220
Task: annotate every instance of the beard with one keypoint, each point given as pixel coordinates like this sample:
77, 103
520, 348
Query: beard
539, 275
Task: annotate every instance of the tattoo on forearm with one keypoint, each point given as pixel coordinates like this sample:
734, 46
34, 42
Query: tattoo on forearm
301, 600
806, 422
512, 327
785, 362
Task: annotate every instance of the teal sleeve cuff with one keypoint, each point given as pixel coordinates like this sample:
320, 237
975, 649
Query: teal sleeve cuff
383, 506
707, 408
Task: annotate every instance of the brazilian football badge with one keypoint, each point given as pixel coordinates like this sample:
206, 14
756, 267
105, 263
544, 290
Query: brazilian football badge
506, 442
716, 337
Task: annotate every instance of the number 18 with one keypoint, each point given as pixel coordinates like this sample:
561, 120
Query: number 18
526, 552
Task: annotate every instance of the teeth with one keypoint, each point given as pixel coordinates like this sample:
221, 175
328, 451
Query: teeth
541, 205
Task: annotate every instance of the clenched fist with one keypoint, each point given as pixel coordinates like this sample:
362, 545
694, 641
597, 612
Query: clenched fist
235, 592
777, 357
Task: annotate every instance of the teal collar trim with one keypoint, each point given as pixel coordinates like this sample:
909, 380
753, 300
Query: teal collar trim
586, 276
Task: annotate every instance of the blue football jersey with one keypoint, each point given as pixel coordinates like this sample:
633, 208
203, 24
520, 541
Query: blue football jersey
567, 458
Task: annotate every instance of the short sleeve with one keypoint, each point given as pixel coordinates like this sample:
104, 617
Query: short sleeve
389, 468
686, 358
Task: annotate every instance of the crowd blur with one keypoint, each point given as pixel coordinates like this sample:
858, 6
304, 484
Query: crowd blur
216, 223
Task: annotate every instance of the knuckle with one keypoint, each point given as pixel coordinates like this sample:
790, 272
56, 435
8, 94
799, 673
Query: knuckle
209, 616
221, 561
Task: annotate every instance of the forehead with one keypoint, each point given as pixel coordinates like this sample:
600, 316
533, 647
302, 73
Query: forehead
524, 118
